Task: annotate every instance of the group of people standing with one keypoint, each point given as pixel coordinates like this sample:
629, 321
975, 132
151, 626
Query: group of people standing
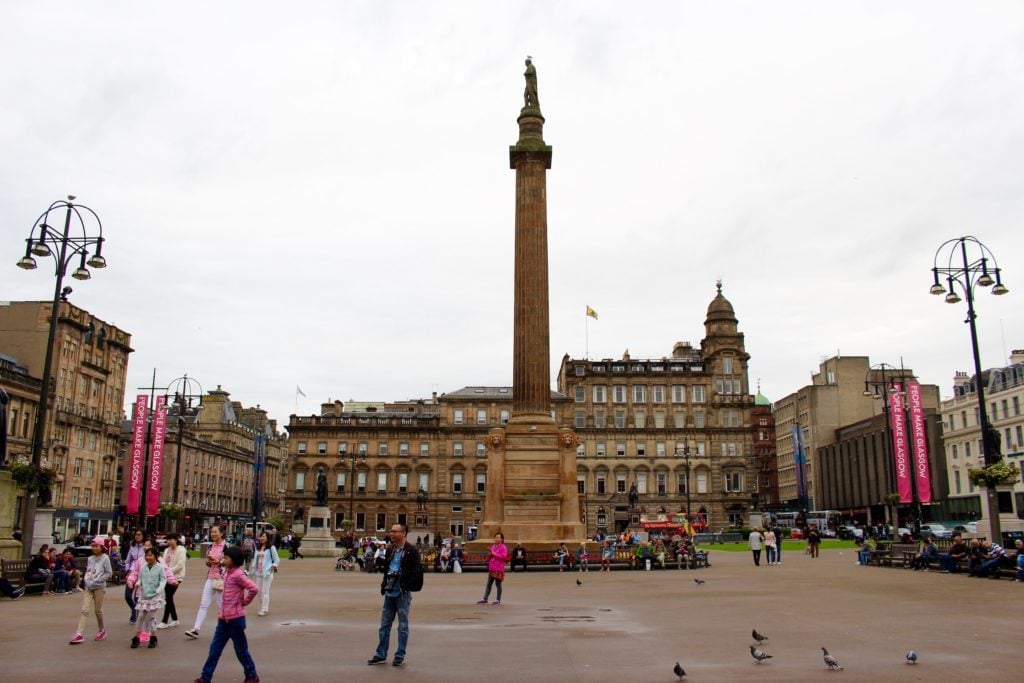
769, 540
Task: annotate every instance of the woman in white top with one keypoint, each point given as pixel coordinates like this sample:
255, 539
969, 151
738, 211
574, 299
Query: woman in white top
265, 562
175, 557
771, 544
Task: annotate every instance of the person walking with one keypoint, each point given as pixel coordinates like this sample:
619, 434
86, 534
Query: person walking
248, 549
214, 580
777, 530
497, 556
295, 545
754, 542
770, 544
152, 579
130, 557
97, 573
175, 559
239, 591
264, 566
813, 540
402, 578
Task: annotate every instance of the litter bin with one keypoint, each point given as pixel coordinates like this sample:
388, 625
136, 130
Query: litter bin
204, 548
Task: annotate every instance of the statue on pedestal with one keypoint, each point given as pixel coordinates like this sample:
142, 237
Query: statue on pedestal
321, 487
530, 100
634, 496
421, 499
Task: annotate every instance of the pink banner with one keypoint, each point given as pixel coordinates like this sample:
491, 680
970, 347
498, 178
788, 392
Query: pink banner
919, 438
156, 466
135, 466
899, 444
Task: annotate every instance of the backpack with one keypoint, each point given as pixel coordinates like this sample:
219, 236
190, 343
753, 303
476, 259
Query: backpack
249, 548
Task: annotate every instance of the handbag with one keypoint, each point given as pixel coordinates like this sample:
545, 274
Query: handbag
457, 567
217, 584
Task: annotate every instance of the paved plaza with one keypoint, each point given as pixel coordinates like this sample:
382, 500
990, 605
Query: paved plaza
622, 626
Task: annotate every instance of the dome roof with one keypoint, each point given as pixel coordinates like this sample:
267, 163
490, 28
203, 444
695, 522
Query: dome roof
720, 309
761, 399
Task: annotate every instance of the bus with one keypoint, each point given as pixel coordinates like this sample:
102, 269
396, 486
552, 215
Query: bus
827, 522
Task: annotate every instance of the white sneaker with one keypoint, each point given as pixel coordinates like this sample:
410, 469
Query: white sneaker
161, 625
261, 613
172, 624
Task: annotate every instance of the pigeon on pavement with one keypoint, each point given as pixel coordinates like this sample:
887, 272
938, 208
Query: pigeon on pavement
758, 655
699, 582
578, 582
830, 661
678, 671
758, 637
911, 657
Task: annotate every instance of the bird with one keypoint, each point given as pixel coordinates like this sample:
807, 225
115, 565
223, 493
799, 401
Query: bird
578, 582
758, 655
911, 657
699, 582
833, 665
678, 671
757, 636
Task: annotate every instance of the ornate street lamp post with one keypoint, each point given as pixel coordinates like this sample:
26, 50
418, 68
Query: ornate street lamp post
352, 460
64, 246
685, 452
970, 271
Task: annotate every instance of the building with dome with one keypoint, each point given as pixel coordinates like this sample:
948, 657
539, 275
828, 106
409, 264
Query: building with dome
678, 429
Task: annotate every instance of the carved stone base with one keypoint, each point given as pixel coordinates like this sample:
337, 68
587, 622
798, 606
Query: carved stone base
319, 540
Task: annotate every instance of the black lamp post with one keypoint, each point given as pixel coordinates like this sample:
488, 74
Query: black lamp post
64, 247
685, 452
186, 390
970, 271
352, 460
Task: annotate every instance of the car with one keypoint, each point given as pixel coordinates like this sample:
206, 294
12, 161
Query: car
969, 528
937, 530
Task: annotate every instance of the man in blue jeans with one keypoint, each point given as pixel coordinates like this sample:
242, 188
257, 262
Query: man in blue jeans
402, 578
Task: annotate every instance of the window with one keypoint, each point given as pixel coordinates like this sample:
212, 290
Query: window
382, 521
481, 483
321, 448
481, 449
730, 418
340, 483
641, 483
362, 449
602, 486
639, 393
700, 449
382, 448
620, 449
458, 416
733, 481
641, 449
698, 419
504, 417
640, 419
1006, 408
360, 520
967, 449
1020, 437
659, 449
579, 370
599, 419
339, 520
679, 419
953, 451
956, 479
87, 497
659, 419
186, 477
481, 417
702, 482
1016, 405
620, 419
457, 449
662, 484
89, 471
727, 366
581, 451
679, 393
74, 495
581, 393
78, 467
81, 438
618, 393
581, 484
457, 482
424, 449
658, 393
301, 448
600, 449
403, 482
424, 481
581, 419
598, 393
620, 483
697, 393
963, 419
361, 482
403, 448
681, 483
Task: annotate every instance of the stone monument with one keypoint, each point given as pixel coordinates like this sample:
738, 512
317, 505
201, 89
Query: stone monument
318, 540
531, 462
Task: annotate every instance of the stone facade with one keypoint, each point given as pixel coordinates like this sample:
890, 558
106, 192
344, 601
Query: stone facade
90, 359
766, 485
208, 464
1004, 392
635, 418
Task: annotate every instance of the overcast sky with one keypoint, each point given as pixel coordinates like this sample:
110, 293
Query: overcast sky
319, 194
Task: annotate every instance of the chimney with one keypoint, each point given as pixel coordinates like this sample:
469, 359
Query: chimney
1016, 356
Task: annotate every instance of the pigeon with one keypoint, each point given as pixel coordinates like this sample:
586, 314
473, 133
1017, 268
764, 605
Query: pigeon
911, 657
757, 636
578, 582
833, 665
758, 655
699, 582
678, 671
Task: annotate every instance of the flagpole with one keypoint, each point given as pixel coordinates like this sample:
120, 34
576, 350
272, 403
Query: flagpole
586, 323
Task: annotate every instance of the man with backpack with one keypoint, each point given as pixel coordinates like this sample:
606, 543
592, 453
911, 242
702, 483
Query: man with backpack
248, 549
403, 576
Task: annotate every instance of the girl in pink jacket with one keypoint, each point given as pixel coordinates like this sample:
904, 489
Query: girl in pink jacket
496, 559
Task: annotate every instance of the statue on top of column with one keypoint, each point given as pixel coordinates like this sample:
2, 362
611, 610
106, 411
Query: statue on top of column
530, 100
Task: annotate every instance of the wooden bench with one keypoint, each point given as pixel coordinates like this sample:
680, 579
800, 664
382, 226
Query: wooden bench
14, 571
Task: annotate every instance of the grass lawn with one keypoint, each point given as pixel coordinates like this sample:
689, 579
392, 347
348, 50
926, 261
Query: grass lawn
786, 546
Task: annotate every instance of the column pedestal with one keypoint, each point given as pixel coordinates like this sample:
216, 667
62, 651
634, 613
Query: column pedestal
319, 541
